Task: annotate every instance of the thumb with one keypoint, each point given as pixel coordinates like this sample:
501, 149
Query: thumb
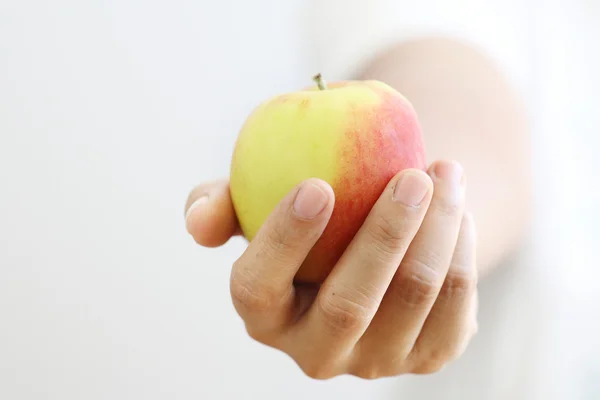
209, 214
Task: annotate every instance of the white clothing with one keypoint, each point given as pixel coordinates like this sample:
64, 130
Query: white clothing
111, 110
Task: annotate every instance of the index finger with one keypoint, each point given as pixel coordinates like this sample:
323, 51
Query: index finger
262, 278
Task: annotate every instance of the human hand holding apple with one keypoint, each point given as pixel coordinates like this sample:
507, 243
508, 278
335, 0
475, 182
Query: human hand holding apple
359, 261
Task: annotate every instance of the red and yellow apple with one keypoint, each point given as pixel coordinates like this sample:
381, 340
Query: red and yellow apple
355, 135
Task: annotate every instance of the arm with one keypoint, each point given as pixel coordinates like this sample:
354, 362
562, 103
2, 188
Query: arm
469, 113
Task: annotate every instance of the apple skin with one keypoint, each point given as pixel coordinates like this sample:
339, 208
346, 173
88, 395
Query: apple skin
355, 135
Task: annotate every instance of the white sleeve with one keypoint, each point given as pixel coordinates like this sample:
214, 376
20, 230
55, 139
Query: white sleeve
345, 34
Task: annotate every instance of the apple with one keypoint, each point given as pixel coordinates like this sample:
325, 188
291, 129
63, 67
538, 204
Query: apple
355, 135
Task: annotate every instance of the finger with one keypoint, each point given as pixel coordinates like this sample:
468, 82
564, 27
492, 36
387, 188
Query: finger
421, 274
262, 278
209, 214
452, 320
351, 294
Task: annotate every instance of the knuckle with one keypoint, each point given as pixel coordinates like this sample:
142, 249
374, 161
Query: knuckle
387, 234
458, 285
373, 365
425, 261
318, 371
438, 356
434, 360
416, 288
342, 313
249, 296
276, 241
368, 373
428, 368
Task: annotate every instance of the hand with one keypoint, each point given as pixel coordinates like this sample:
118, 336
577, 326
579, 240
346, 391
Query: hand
402, 299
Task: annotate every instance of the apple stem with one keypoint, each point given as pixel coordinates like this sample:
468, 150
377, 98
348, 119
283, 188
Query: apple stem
318, 78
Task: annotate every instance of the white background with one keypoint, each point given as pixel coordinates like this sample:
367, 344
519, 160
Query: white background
110, 111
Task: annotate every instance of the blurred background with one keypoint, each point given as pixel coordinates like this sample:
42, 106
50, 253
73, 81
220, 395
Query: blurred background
111, 111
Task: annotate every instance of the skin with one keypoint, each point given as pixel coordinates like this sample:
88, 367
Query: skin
403, 296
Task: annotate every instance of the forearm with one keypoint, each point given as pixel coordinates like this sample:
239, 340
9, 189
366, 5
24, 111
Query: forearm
469, 113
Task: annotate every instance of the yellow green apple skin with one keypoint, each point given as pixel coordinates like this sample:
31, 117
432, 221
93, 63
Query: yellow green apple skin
355, 135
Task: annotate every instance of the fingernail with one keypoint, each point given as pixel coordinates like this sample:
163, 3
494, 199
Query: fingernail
310, 201
198, 203
411, 189
450, 171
